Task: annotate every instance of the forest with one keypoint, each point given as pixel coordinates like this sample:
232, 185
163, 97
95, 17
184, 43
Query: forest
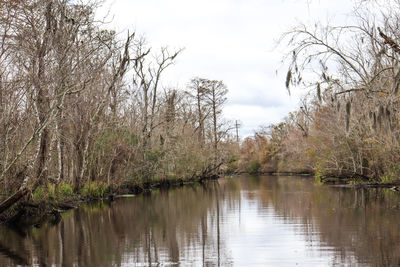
83, 109
104, 162
84, 112
348, 124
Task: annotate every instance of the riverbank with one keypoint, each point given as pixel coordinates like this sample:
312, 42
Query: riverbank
35, 209
356, 181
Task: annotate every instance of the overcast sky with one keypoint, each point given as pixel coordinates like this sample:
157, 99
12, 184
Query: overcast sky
229, 40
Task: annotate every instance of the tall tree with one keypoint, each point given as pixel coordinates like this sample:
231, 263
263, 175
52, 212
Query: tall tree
198, 88
216, 98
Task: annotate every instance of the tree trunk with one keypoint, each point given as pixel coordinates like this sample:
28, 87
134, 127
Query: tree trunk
60, 147
42, 99
41, 172
3, 130
201, 125
6, 204
214, 109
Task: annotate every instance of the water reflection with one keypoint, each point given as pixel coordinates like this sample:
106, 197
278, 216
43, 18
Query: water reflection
246, 221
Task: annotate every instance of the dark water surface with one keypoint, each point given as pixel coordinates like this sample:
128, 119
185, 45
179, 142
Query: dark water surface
242, 221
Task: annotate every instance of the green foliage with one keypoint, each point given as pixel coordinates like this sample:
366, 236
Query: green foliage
153, 178
357, 181
387, 179
232, 167
94, 189
394, 171
253, 167
172, 176
319, 169
154, 156
234, 158
65, 190
189, 163
318, 180
49, 194
52, 191
40, 193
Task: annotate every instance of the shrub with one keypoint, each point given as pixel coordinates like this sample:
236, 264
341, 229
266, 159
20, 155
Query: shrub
387, 179
253, 167
52, 191
232, 167
40, 193
94, 189
172, 176
65, 190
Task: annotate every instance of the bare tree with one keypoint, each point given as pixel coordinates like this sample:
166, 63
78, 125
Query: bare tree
352, 72
216, 98
147, 79
198, 90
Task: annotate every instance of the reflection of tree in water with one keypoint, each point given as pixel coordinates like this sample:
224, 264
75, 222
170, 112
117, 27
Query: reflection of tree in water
187, 224
167, 226
354, 222
14, 256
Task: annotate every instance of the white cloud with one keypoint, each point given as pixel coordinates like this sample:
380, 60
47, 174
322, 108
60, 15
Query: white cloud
229, 40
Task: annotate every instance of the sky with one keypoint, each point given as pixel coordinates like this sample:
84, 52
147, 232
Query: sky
230, 40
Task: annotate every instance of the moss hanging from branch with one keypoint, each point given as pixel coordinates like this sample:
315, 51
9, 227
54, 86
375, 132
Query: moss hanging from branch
288, 80
319, 92
348, 111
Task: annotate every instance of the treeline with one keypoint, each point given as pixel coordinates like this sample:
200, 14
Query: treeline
81, 106
348, 125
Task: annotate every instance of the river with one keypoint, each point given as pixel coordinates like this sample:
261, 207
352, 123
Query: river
239, 221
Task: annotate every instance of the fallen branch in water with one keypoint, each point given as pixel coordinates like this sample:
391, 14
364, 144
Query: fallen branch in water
6, 204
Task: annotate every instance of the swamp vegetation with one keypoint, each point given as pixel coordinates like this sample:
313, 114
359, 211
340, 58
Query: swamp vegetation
84, 115
348, 125
83, 112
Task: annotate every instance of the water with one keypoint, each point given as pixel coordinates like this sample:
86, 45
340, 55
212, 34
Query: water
242, 221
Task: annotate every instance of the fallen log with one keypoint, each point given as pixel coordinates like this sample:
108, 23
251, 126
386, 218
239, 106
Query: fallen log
66, 206
6, 204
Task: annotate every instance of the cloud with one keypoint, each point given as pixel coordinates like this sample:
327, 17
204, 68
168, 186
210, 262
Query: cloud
252, 117
229, 40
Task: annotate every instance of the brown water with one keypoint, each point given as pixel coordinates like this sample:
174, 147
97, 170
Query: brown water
242, 221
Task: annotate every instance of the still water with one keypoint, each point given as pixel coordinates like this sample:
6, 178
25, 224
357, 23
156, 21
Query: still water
241, 221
